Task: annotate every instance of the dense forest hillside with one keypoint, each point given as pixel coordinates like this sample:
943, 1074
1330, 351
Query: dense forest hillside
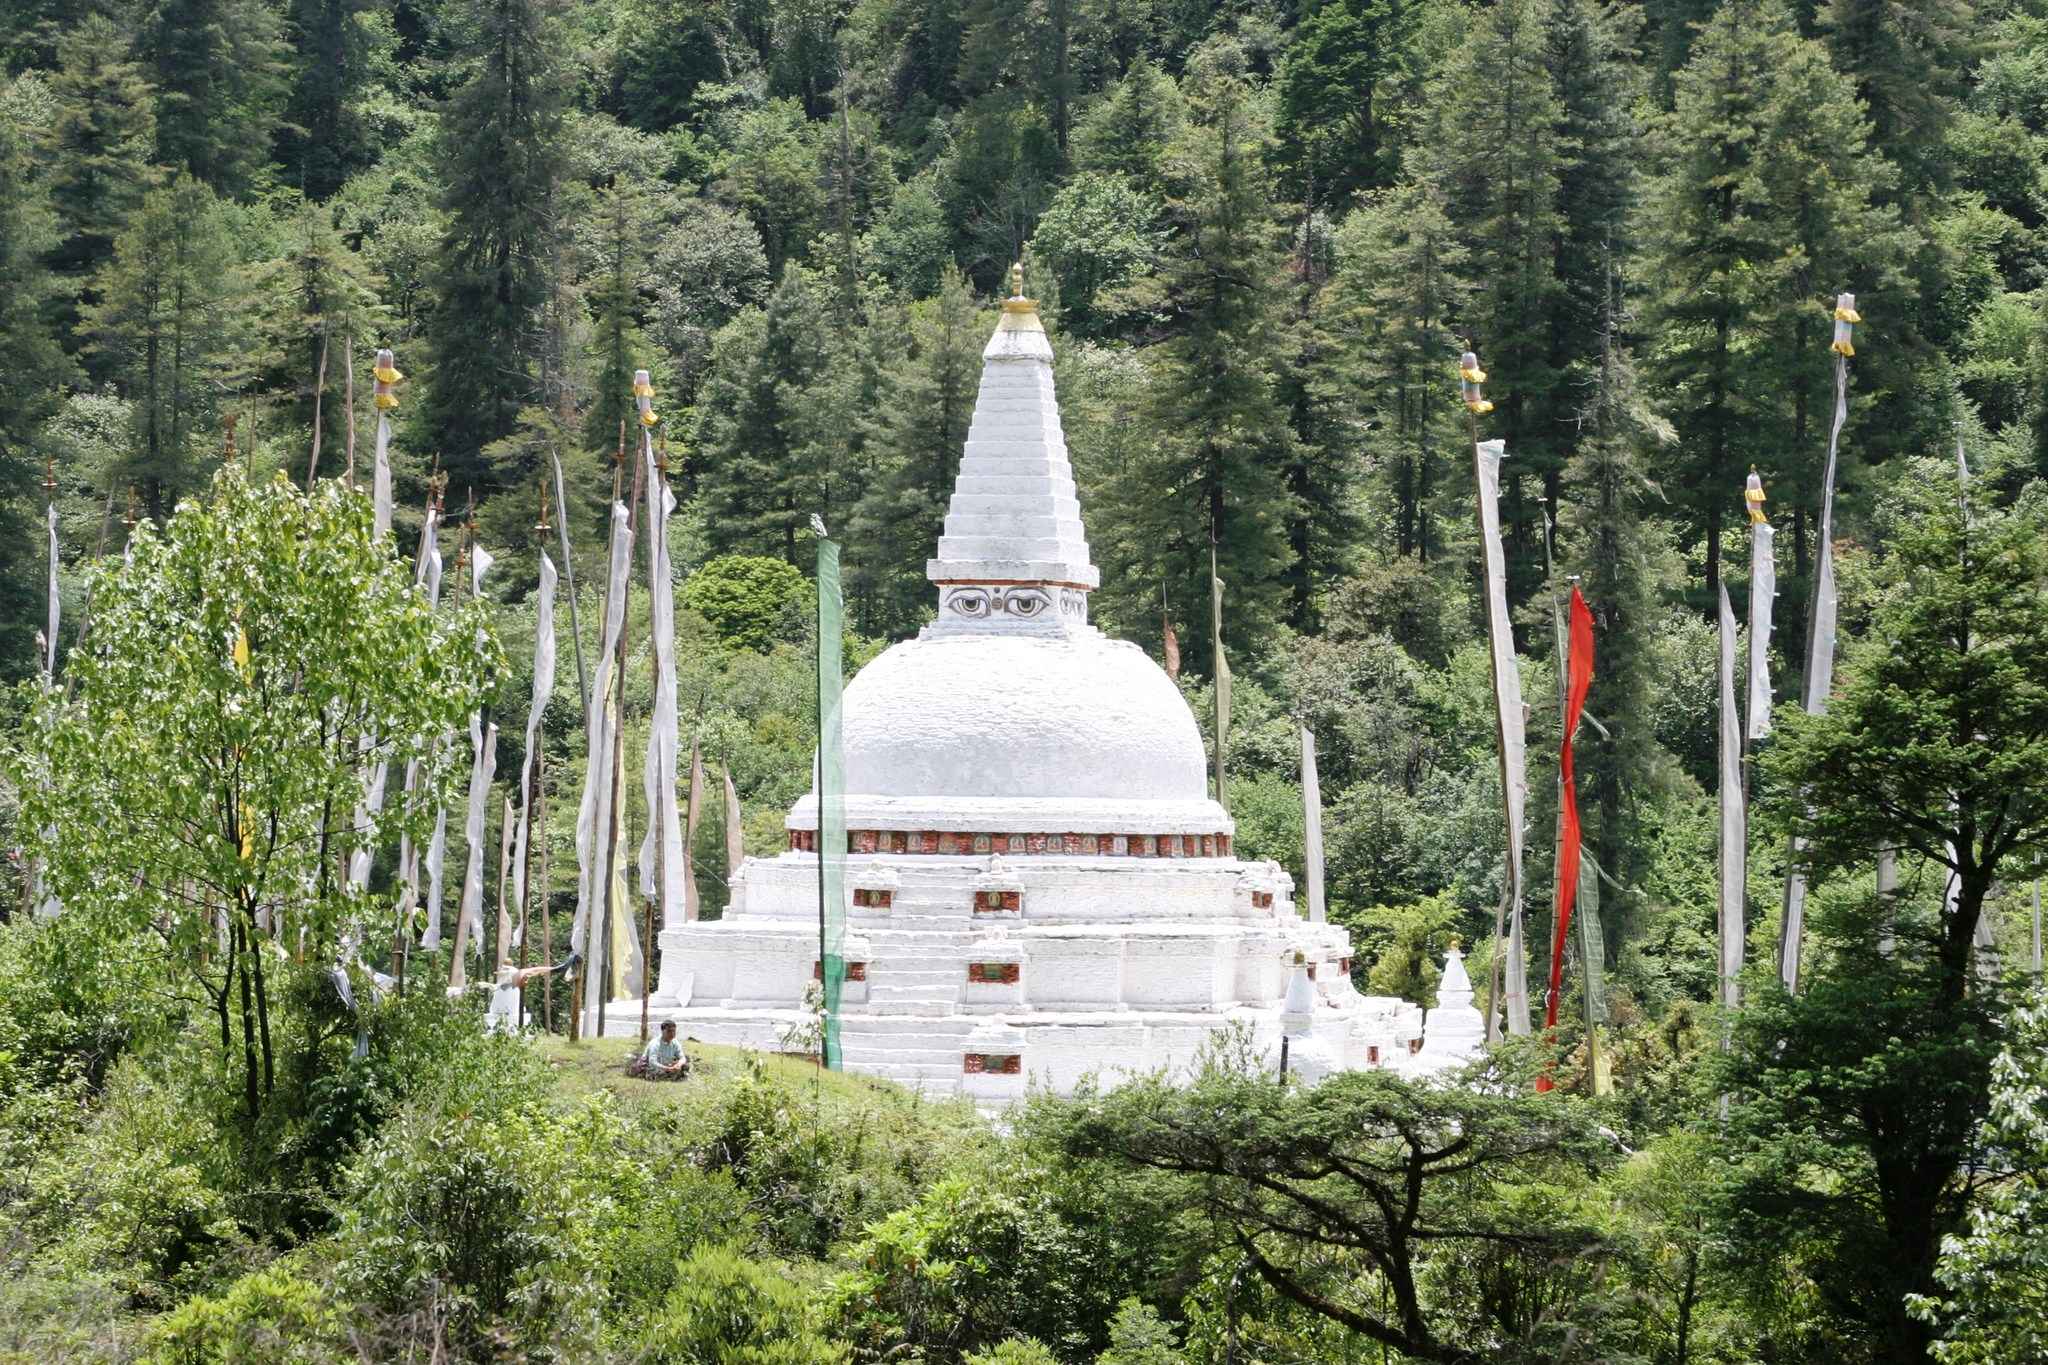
1261, 234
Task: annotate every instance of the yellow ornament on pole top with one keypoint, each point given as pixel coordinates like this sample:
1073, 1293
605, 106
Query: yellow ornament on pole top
1470, 377
388, 380
643, 392
1846, 318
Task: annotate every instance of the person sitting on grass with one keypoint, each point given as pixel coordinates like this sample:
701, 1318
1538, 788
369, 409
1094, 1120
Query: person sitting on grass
663, 1059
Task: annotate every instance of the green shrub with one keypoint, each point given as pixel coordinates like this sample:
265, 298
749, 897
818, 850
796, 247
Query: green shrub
973, 1263
273, 1316
748, 599
728, 1310
499, 1224
135, 1195
1015, 1351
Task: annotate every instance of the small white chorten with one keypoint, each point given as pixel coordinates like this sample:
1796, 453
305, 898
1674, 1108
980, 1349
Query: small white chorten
1039, 887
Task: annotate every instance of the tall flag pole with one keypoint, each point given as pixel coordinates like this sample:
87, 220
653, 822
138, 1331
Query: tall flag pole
1222, 671
831, 804
1510, 958
483, 741
594, 813
1820, 629
1579, 679
1312, 827
569, 576
385, 396
661, 851
54, 604
469, 924
1734, 821
543, 688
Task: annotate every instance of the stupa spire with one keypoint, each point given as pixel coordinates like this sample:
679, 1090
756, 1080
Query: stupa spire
1013, 557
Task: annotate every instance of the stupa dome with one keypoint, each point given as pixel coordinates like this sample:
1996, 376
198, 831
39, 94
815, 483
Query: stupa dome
1023, 734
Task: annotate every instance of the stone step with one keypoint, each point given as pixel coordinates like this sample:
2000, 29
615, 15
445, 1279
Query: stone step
877, 1025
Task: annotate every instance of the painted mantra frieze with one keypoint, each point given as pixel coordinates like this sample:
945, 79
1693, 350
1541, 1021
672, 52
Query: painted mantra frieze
956, 843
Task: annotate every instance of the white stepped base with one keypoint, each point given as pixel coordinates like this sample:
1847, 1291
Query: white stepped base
1058, 1049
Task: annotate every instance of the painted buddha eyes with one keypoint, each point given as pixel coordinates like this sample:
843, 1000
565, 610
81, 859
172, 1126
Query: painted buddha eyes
977, 604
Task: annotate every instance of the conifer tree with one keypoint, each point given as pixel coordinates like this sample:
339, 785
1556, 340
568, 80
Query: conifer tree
165, 327
1347, 92
35, 367
1909, 64
1218, 468
1398, 290
324, 138
1768, 180
316, 302
916, 436
500, 155
1497, 152
220, 75
98, 149
1127, 132
1317, 386
757, 491
1607, 540
613, 297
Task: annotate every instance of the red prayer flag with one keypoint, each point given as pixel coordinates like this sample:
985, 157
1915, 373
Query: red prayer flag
1578, 679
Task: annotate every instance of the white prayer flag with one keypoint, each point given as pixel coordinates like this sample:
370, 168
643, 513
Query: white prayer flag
1507, 680
1763, 589
437, 855
1734, 818
594, 813
380, 480
662, 851
1820, 672
50, 639
479, 564
483, 741
1312, 826
543, 688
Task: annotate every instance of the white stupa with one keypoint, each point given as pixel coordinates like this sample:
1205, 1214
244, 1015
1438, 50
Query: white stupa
1038, 885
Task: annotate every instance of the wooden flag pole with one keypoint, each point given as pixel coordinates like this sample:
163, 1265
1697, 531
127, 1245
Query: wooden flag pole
1471, 377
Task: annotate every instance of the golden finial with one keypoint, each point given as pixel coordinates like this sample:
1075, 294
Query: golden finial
1753, 497
50, 476
643, 394
227, 453
388, 379
1846, 318
1019, 313
1470, 377
134, 502
542, 525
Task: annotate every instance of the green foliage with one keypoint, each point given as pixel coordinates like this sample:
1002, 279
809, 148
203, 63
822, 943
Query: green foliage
729, 1310
1137, 1336
165, 325
1405, 1187
209, 742
275, 1315
748, 599
499, 157
1993, 1281
495, 1221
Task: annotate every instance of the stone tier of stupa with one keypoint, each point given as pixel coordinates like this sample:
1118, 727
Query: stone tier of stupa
1038, 884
